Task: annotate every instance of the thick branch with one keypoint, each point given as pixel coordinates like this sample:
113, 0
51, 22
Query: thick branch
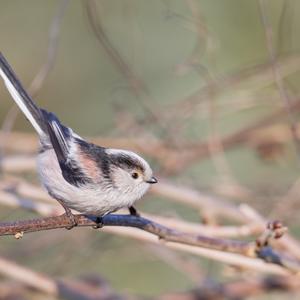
249, 249
171, 235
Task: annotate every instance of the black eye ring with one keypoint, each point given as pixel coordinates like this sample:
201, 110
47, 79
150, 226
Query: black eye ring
135, 175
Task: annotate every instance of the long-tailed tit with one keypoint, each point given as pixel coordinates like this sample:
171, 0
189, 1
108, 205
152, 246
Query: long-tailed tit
88, 178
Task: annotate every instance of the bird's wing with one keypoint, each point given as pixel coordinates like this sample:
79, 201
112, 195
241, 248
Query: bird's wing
64, 145
60, 137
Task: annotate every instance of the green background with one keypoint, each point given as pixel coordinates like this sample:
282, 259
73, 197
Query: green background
173, 54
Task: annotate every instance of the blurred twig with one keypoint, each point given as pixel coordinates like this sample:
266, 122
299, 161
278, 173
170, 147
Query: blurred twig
14, 193
186, 195
28, 277
184, 265
278, 76
136, 84
258, 76
163, 232
45, 209
42, 74
242, 289
171, 160
214, 140
48, 64
166, 234
243, 136
83, 289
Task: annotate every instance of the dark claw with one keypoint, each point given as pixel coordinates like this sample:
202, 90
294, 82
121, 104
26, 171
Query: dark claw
133, 211
99, 223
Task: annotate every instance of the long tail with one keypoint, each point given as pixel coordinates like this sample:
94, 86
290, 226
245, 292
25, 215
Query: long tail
23, 100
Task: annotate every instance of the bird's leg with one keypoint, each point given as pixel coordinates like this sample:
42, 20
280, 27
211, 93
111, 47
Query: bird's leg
99, 223
69, 214
133, 211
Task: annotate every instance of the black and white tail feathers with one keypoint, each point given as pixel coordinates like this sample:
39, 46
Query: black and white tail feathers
47, 125
22, 99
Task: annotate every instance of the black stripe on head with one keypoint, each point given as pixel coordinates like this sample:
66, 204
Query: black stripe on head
126, 161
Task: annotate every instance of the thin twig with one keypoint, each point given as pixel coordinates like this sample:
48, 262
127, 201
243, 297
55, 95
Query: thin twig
45, 209
15, 195
83, 289
249, 249
136, 84
241, 289
42, 74
54, 32
277, 75
171, 235
168, 157
28, 277
259, 76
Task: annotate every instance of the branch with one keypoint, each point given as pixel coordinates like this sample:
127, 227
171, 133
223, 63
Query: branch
242, 289
194, 198
278, 79
260, 76
84, 288
163, 232
248, 249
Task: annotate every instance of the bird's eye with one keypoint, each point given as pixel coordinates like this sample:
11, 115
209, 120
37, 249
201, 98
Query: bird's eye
135, 175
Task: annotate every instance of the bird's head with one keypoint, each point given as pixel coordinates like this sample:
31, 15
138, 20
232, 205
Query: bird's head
129, 173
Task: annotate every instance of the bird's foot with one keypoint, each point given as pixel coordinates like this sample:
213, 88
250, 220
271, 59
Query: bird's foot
133, 211
68, 213
72, 220
99, 223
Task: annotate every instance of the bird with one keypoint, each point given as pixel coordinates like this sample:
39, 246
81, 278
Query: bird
80, 175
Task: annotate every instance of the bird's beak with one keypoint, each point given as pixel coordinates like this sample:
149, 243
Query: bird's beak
152, 180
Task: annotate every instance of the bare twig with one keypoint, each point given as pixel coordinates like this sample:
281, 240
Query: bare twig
277, 74
258, 76
42, 74
54, 32
85, 288
168, 158
242, 289
137, 85
28, 277
45, 209
275, 230
46, 67
168, 235
15, 194
12, 228
240, 137
184, 265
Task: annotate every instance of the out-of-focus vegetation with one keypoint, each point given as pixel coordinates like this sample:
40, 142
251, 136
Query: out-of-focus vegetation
181, 71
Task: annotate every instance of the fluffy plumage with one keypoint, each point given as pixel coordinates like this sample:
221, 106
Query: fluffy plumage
82, 176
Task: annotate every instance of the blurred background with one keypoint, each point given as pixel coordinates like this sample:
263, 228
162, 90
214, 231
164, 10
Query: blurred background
207, 91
